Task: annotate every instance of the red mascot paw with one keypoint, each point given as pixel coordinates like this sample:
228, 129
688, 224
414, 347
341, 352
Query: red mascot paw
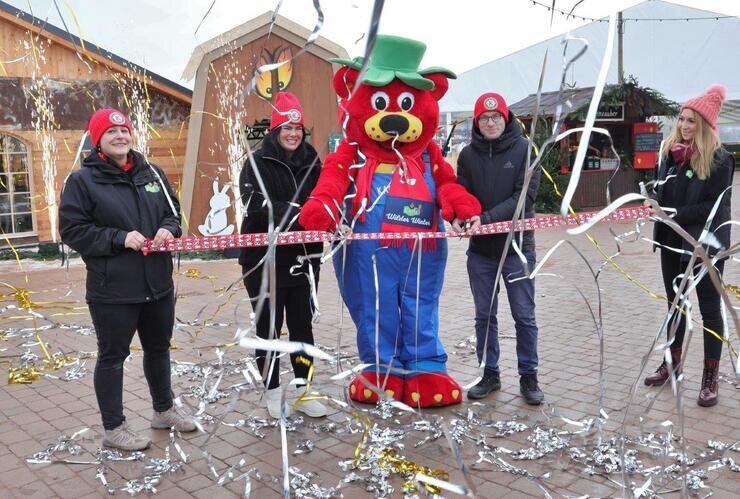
361, 393
455, 201
315, 216
431, 390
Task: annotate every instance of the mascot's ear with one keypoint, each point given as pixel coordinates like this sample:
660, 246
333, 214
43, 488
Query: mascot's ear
440, 84
344, 81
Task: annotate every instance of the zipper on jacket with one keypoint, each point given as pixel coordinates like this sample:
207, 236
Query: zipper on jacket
105, 273
490, 150
292, 175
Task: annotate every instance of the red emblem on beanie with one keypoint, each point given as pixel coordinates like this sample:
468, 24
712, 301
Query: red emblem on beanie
102, 120
491, 101
287, 109
709, 104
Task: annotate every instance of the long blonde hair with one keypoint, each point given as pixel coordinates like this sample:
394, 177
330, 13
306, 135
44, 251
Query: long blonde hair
705, 143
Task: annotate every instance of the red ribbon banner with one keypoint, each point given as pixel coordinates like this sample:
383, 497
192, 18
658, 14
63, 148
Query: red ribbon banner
264, 239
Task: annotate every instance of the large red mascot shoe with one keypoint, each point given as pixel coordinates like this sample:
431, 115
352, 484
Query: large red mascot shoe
359, 391
431, 390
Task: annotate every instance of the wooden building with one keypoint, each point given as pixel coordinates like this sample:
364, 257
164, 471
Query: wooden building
616, 164
229, 108
50, 83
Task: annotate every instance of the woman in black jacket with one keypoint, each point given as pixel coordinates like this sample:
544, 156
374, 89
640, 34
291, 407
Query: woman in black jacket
109, 208
289, 168
694, 172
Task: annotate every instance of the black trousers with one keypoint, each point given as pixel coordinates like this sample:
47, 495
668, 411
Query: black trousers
115, 326
709, 303
292, 303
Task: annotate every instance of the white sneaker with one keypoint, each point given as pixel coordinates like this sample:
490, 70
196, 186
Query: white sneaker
313, 408
124, 438
173, 418
273, 401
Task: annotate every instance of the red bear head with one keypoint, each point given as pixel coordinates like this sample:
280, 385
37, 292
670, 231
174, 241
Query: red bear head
392, 108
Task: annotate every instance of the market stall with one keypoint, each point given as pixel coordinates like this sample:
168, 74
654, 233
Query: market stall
614, 163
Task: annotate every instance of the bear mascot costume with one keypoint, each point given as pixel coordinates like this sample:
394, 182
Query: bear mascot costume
388, 175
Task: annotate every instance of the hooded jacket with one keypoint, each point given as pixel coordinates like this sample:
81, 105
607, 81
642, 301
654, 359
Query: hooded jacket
100, 204
493, 171
288, 183
694, 199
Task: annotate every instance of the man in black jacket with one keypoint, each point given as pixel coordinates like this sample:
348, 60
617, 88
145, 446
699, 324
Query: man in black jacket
492, 167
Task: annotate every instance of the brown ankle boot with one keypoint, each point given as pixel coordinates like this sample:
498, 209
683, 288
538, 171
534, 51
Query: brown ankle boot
709, 394
660, 376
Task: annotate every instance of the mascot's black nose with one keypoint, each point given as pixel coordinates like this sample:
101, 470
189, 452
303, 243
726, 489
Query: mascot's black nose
394, 124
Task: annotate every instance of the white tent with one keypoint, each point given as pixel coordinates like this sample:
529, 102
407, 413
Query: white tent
676, 57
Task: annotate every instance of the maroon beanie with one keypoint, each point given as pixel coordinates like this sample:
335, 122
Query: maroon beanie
491, 101
287, 109
102, 120
709, 104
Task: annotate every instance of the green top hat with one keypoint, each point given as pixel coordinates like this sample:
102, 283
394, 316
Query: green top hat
395, 57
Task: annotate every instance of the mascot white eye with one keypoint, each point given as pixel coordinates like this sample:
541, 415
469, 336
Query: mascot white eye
406, 101
380, 101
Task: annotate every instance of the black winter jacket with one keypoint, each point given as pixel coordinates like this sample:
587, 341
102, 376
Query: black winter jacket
493, 171
288, 183
694, 199
99, 205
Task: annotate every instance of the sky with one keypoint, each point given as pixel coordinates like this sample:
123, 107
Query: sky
160, 35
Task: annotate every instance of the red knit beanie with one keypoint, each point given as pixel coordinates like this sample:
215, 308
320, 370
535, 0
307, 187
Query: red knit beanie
102, 120
709, 104
287, 109
491, 101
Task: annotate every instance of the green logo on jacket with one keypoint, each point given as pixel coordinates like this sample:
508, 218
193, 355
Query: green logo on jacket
152, 187
411, 210
690, 173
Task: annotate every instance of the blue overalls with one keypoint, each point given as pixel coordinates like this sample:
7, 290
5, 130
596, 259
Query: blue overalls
407, 323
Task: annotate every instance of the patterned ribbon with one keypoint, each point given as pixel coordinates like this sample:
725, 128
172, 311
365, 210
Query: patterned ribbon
263, 239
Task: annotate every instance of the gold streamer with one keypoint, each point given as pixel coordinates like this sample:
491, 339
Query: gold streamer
388, 459
23, 375
409, 469
734, 289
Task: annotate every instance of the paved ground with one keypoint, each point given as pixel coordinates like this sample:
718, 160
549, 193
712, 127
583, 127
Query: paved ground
238, 435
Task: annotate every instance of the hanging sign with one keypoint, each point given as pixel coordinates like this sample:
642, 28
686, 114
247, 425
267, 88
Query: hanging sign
613, 112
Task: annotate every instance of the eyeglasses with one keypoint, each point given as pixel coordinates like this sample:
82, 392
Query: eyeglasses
494, 117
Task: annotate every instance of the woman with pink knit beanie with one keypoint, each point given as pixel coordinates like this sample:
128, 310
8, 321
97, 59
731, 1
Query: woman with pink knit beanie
693, 174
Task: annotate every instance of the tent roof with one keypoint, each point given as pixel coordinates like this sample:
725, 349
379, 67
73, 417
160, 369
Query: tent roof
578, 97
652, 50
643, 101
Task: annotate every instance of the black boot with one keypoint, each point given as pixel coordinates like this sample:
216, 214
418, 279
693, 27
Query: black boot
530, 390
489, 383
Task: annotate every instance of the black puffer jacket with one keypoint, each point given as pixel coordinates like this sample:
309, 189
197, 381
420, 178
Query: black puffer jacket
493, 171
694, 199
288, 183
99, 205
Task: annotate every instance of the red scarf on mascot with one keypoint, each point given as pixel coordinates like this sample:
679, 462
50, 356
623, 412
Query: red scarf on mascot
409, 205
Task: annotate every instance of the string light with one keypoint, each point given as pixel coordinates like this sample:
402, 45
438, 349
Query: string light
635, 19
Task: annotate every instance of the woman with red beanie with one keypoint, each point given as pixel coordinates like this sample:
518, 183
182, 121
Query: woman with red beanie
288, 168
694, 172
109, 208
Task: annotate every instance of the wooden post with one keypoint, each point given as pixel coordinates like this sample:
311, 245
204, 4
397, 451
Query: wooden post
620, 49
